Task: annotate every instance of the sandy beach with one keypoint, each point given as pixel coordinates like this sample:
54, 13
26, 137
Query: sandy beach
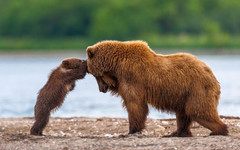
111, 133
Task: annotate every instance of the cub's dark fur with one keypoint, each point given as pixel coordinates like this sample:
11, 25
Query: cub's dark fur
51, 96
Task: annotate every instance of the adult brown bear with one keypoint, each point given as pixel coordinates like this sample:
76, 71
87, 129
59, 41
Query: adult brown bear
177, 83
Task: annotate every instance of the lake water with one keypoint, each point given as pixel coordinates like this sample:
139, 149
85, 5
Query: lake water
22, 77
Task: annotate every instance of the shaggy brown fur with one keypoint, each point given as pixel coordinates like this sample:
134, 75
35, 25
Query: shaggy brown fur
177, 83
105, 82
51, 96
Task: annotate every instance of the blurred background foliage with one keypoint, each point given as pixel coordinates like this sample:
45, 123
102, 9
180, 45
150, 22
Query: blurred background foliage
75, 24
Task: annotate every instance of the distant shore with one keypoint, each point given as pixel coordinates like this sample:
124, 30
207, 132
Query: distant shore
111, 133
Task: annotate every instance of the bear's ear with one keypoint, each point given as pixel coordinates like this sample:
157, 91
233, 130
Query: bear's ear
90, 52
65, 63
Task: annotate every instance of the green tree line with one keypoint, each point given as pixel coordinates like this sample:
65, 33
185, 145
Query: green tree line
214, 22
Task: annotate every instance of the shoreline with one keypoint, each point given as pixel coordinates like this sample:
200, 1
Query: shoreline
111, 133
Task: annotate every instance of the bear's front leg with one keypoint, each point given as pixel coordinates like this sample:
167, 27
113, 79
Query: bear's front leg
137, 115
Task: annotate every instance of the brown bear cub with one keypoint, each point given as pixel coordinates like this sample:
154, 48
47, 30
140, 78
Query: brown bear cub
178, 83
51, 96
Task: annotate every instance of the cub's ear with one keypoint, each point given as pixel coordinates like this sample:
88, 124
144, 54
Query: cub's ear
65, 63
90, 52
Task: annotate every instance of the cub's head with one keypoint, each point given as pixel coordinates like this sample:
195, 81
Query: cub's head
74, 68
74, 63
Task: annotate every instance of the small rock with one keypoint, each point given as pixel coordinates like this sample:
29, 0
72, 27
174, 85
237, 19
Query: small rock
74, 131
160, 130
165, 122
108, 135
62, 133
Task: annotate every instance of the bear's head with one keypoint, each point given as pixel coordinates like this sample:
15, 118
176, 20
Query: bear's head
102, 57
110, 56
74, 63
103, 87
107, 82
74, 68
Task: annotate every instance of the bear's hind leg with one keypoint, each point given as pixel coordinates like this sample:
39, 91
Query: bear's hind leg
42, 112
204, 111
183, 126
42, 118
215, 125
206, 115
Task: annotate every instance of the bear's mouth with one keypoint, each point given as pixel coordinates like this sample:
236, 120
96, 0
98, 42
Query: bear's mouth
104, 88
